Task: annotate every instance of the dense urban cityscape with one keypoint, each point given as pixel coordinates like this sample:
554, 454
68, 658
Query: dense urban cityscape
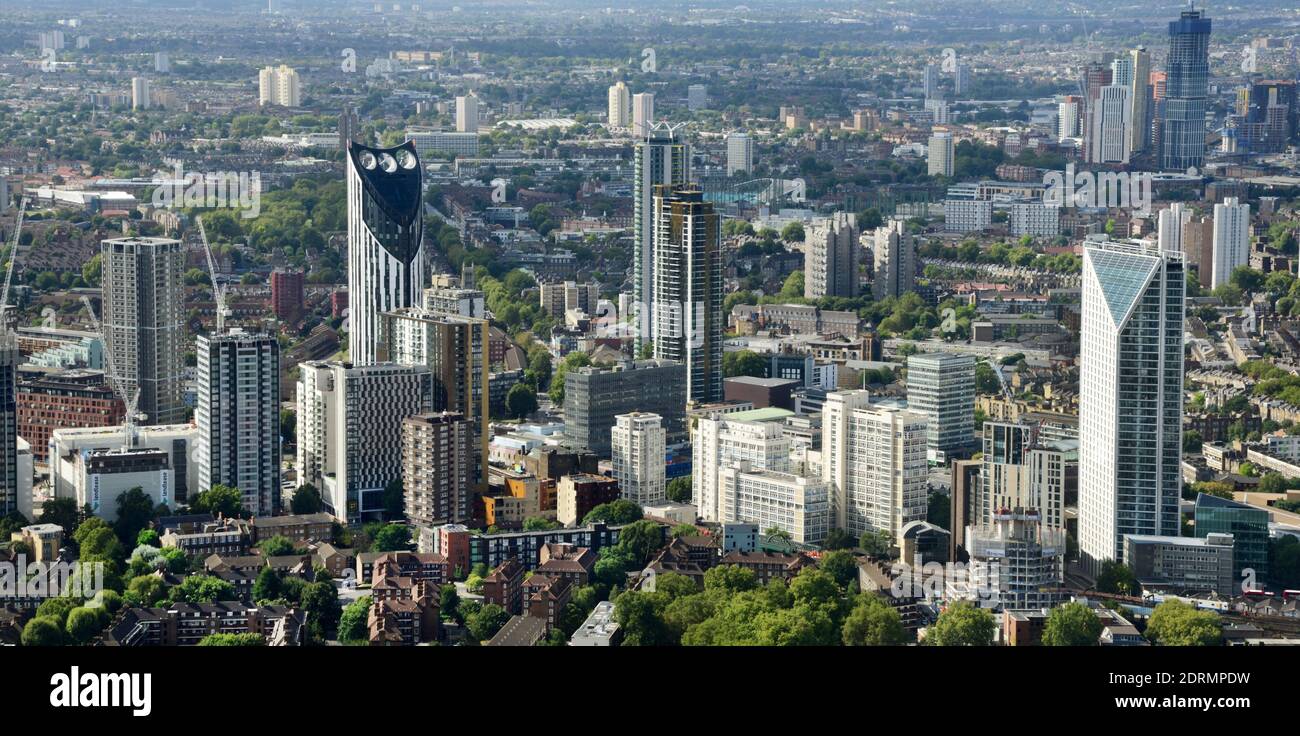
562, 324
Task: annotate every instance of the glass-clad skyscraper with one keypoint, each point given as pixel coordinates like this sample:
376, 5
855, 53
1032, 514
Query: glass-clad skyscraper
1186, 86
1130, 395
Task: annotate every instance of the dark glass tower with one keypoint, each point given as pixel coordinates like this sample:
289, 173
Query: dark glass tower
1186, 87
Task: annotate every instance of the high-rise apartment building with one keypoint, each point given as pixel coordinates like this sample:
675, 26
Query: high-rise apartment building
143, 306
930, 80
279, 86
795, 504
1130, 395
287, 295
1186, 89
559, 298
238, 416
1069, 112
941, 387
1017, 561
349, 434
831, 257
467, 113
1021, 470
740, 154
455, 350
873, 461
437, 473
1231, 239
140, 99
620, 106
639, 454
1170, 224
386, 260
643, 114
688, 319
939, 155
894, 258
749, 439
697, 97
662, 158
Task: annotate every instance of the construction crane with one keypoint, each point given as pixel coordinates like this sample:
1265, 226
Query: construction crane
115, 381
218, 295
13, 258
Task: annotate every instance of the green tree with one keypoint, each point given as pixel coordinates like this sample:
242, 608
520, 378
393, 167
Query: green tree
219, 500
145, 590
873, 623
1071, 625
877, 544
202, 589
42, 632
148, 537
84, 623
640, 617
277, 546
1178, 624
306, 500
353, 621
730, 578
267, 586
392, 538
743, 363
484, 623
521, 401
320, 601
962, 625
640, 539
679, 489
837, 539
449, 602
793, 233
620, 511
1116, 578
134, 512
840, 565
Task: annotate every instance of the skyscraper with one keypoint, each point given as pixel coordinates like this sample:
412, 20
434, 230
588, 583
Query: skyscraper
740, 153
1111, 135
638, 451
143, 305
1231, 239
620, 106
722, 441
467, 113
831, 257
1068, 112
1139, 99
941, 387
279, 86
1130, 395
662, 158
643, 114
386, 261
939, 154
873, 461
437, 473
1186, 87
894, 258
688, 283
1096, 75
238, 416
